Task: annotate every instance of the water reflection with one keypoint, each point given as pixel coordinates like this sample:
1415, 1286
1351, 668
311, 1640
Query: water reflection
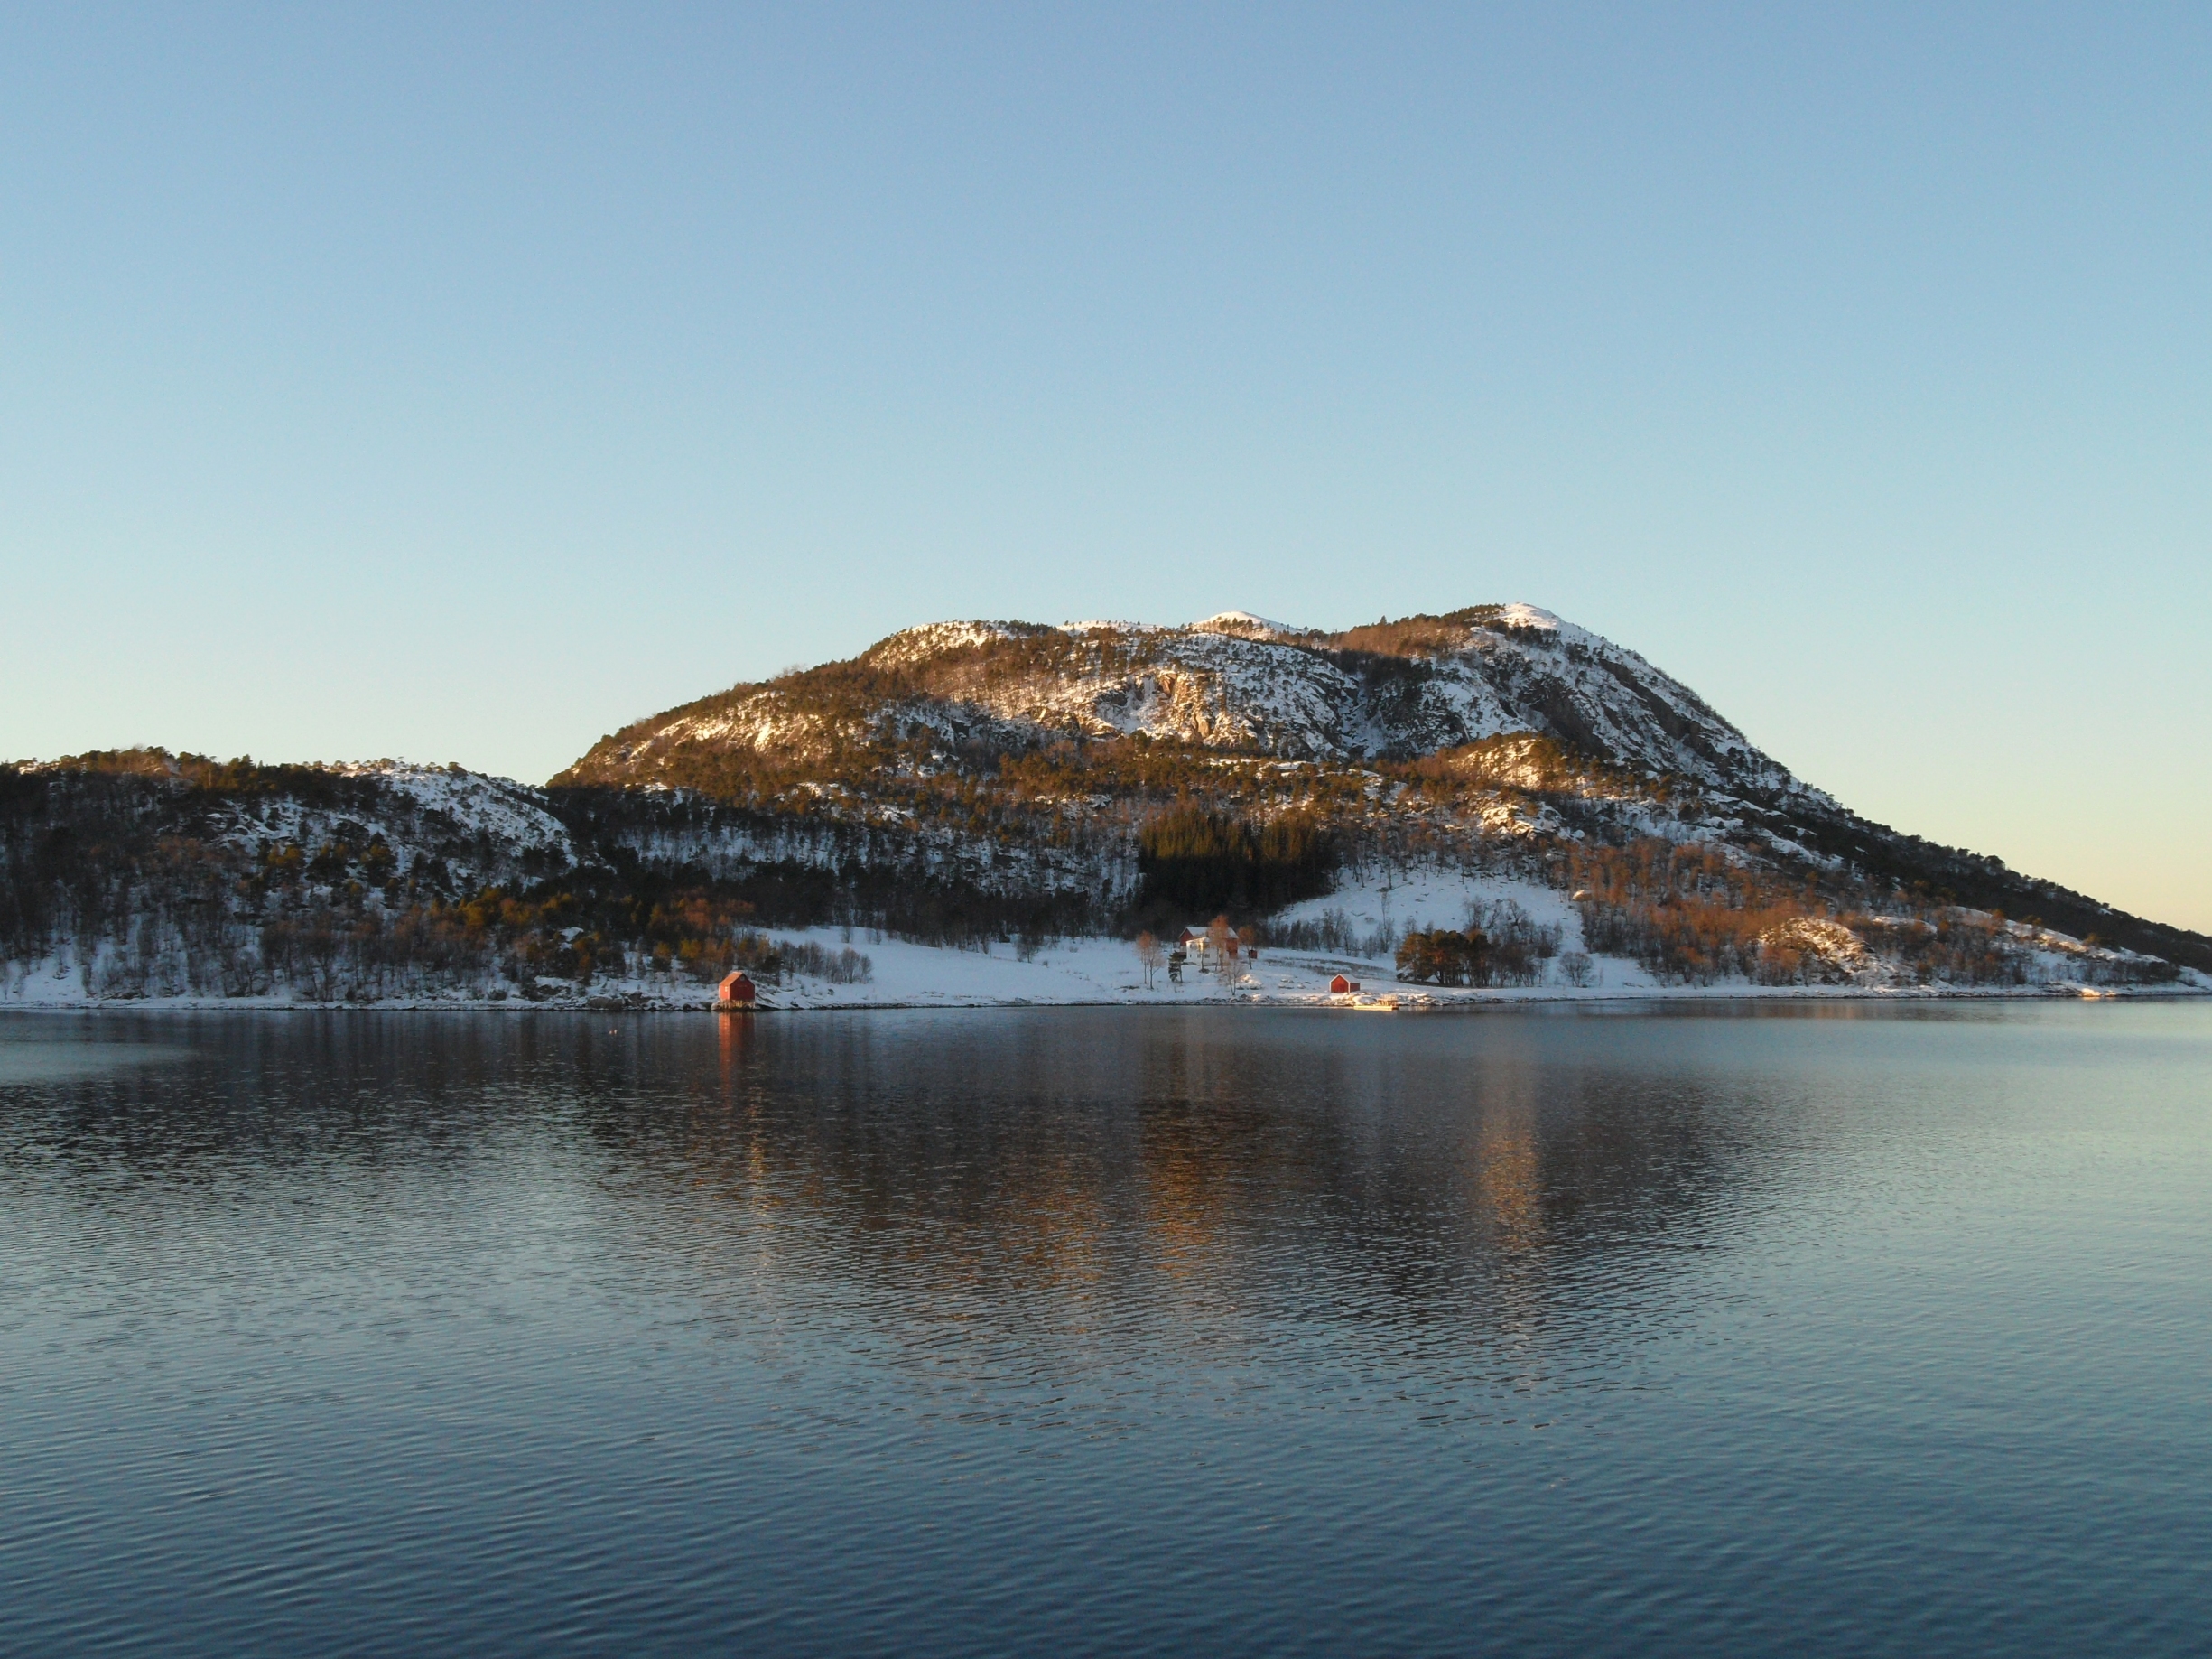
1092, 1331
1439, 1203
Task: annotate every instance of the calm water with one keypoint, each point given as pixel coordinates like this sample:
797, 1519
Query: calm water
1835, 1331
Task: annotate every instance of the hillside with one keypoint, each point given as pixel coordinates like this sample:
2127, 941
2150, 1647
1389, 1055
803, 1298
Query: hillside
1562, 803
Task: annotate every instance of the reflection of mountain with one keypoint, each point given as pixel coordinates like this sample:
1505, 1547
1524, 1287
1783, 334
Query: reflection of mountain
1410, 1210
1439, 1206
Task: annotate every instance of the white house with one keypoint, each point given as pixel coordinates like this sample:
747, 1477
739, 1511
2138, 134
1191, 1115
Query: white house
1199, 942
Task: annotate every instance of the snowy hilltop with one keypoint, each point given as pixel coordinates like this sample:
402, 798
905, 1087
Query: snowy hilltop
1488, 801
1235, 683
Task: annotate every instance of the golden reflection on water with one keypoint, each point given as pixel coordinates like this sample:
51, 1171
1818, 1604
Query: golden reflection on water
1041, 1185
1507, 1178
734, 1038
1210, 1130
1043, 1175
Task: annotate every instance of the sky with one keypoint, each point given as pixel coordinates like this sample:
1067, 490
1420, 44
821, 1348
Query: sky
460, 383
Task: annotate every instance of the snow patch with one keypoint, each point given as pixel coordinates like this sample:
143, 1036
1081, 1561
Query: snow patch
1109, 625
911, 645
1518, 615
1243, 624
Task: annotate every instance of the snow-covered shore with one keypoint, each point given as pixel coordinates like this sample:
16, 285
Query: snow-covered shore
1091, 971
1075, 973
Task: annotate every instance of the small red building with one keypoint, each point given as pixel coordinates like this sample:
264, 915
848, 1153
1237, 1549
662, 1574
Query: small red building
736, 991
1340, 985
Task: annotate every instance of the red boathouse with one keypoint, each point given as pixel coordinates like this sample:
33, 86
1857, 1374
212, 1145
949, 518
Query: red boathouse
736, 991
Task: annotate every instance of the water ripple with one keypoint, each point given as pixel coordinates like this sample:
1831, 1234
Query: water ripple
1836, 1331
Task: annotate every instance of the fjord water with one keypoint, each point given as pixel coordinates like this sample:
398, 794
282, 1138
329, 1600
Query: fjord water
1834, 1330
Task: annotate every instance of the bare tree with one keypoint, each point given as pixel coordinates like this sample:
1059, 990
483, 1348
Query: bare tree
1222, 946
1149, 955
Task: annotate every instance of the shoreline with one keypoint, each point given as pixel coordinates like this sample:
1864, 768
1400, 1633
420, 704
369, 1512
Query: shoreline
1074, 973
1408, 999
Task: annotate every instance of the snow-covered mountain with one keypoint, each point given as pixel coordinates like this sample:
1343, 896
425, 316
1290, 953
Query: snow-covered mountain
1233, 682
1022, 758
986, 783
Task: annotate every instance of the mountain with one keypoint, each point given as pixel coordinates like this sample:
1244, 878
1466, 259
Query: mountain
1562, 802
1233, 683
1497, 730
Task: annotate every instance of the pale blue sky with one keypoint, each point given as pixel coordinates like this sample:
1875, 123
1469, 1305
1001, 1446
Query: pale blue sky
460, 383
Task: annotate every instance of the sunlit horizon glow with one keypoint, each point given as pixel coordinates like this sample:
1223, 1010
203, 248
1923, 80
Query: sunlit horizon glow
461, 384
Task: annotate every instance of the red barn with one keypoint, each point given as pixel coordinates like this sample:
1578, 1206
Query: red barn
1340, 985
736, 991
